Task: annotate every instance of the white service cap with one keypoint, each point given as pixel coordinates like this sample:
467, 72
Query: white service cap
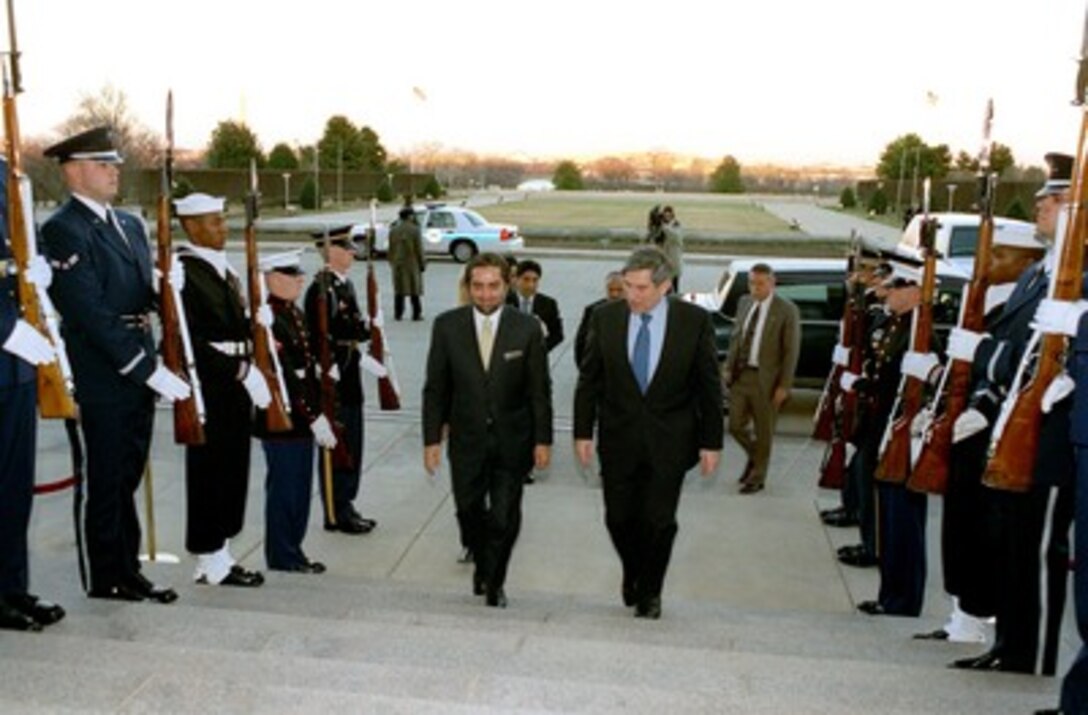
199, 205
289, 262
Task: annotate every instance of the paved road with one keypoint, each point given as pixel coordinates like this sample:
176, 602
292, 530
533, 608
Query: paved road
816, 220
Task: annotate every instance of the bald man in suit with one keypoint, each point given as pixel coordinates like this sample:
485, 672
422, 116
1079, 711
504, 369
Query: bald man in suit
763, 354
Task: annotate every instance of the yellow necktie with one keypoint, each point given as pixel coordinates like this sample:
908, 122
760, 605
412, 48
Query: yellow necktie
485, 342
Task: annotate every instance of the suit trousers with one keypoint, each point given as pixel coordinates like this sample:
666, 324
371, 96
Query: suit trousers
288, 488
902, 549
117, 438
345, 481
18, 435
398, 306
217, 474
747, 403
488, 502
640, 513
1075, 684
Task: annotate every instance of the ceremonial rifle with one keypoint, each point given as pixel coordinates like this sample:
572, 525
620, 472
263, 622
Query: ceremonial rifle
895, 455
55, 384
388, 390
177, 349
264, 355
339, 457
844, 403
1014, 443
824, 419
930, 473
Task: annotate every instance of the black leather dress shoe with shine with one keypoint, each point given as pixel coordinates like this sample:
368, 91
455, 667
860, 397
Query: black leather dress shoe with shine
41, 612
120, 592
12, 619
649, 608
158, 594
496, 598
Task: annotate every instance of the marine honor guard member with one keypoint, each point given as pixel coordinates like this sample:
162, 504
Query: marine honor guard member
290, 455
217, 472
347, 332
22, 347
103, 288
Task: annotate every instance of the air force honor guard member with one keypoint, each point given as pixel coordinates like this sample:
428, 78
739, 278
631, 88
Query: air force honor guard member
22, 347
103, 288
217, 472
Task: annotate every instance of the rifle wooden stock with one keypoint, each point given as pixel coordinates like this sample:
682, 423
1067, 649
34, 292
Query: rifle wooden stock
188, 427
388, 398
1014, 448
277, 418
55, 387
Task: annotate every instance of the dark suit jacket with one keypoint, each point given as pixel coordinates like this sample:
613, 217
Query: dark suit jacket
512, 399
97, 278
545, 308
583, 330
679, 414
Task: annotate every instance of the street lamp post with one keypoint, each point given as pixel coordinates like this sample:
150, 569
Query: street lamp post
951, 197
286, 191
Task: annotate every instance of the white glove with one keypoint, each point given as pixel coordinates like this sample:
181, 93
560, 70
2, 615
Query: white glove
847, 380
375, 368
962, 344
264, 316
169, 385
1059, 317
919, 365
323, 433
1059, 388
27, 343
334, 372
379, 319
177, 277
840, 356
920, 424
971, 422
38, 272
257, 388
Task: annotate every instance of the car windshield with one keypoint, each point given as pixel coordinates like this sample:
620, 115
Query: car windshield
475, 219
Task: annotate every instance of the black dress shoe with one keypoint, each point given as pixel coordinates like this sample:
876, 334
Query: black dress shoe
987, 661
466, 556
824, 513
1049, 711
158, 594
239, 576
120, 592
751, 488
859, 559
746, 473
938, 635
349, 526
496, 598
629, 590
649, 608
304, 567
872, 608
841, 520
12, 619
849, 549
41, 612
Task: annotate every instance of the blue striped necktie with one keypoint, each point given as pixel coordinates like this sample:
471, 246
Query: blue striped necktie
640, 357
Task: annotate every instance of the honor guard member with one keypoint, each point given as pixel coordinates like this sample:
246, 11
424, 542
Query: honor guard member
1029, 531
22, 347
217, 471
104, 291
347, 332
901, 512
290, 455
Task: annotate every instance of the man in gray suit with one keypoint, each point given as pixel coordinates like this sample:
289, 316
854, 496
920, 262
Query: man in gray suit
759, 370
489, 389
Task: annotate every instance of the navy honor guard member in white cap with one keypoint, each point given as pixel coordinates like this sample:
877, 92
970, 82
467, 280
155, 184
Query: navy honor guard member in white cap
217, 472
103, 288
290, 455
348, 332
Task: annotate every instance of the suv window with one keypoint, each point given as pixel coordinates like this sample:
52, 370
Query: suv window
815, 301
963, 241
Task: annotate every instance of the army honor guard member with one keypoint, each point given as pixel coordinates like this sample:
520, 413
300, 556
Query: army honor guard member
217, 472
105, 293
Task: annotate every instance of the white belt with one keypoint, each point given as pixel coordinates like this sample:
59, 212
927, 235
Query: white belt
231, 348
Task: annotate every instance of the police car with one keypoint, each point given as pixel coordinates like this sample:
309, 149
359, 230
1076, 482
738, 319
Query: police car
451, 231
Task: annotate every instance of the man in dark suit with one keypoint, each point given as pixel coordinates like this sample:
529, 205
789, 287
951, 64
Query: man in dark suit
529, 300
1021, 527
22, 348
649, 386
217, 471
613, 290
763, 352
488, 387
103, 288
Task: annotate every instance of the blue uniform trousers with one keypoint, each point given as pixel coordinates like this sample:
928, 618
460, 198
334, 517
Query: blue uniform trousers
902, 549
345, 482
288, 487
18, 435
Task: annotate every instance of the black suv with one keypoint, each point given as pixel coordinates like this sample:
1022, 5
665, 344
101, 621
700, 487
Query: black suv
818, 287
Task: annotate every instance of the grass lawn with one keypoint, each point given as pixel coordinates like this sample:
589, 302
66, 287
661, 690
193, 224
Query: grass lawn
624, 210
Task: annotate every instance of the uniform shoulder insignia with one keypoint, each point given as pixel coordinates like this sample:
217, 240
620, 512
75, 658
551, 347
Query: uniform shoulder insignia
65, 265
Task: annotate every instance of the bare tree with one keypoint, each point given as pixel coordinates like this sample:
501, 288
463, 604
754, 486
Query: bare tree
138, 144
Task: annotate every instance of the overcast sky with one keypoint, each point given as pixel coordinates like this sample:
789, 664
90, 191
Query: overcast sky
786, 81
